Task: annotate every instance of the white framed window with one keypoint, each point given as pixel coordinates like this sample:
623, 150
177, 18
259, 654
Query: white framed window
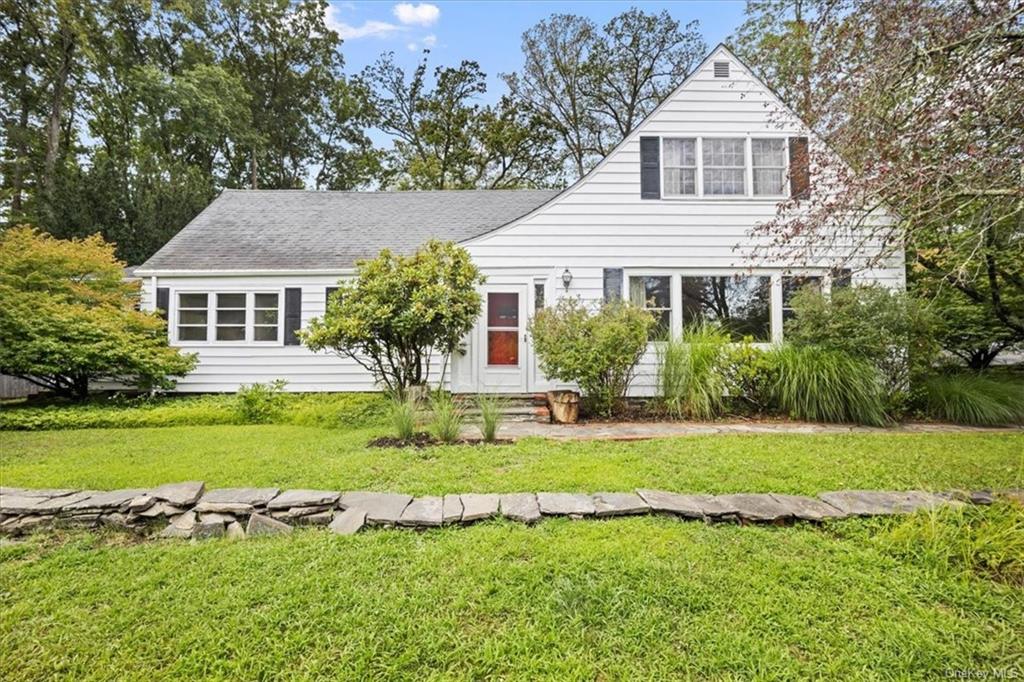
265, 320
229, 317
768, 160
679, 167
193, 316
654, 293
740, 303
725, 166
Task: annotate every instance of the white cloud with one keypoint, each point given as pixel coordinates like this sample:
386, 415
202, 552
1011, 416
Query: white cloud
369, 29
430, 40
411, 47
422, 14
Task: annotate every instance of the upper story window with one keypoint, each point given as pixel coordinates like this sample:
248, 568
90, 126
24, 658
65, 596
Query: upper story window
768, 157
679, 167
725, 167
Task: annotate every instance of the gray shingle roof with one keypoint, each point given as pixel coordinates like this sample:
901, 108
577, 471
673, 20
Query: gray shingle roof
304, 230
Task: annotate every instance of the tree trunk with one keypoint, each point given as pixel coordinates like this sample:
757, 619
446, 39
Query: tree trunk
55, 117
253, 182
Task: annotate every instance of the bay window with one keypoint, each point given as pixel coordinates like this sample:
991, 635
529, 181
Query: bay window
725, 166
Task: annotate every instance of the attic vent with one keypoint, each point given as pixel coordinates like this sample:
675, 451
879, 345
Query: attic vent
721, 69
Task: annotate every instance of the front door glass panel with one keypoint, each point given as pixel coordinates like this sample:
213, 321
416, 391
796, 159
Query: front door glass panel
503, 328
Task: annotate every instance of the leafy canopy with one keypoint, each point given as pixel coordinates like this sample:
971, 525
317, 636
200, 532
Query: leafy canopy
399, 310
597, 350
67, 317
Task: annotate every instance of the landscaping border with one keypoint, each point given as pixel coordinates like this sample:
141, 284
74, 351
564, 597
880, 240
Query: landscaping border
188, 510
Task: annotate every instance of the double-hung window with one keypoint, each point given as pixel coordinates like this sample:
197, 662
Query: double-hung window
231, 315
725, 166
768, 158
265, 317
679, 168
654, 294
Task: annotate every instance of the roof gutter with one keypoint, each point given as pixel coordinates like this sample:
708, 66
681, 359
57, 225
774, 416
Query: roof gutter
241, 273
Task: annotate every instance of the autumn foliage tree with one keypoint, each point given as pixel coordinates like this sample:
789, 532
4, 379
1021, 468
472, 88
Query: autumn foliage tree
68, 317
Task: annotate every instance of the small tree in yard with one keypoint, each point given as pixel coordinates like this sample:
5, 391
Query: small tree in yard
67, 317
597, 350
399, 310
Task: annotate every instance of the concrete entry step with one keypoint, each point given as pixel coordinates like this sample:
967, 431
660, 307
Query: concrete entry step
518, 407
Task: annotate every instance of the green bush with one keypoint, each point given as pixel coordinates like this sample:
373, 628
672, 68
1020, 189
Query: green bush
974, 399
887, 328
691, 379
122, 412
402, 416
596, 350
260, 403
986, 541
818, 384
750, 374
492, 411
446, 417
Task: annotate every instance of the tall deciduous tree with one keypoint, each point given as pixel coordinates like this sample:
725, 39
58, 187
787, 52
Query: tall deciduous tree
444, 139
593, 86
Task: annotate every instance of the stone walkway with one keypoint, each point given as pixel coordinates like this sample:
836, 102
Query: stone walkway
188, 510
667, 429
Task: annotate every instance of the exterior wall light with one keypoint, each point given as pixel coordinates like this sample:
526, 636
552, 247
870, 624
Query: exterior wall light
566, 279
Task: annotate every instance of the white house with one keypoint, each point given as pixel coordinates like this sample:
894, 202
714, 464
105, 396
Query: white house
663, 220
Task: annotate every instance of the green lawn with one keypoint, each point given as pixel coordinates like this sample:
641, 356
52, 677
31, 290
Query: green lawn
294, 456
635, 598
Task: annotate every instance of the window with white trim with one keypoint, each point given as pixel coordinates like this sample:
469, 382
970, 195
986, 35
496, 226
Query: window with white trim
654, 294
679, 168
741, 304
231, 317
768, 160
265, 317
193, 317
725, 166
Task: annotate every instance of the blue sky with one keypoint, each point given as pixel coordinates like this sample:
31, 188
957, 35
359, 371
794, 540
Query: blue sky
489, 32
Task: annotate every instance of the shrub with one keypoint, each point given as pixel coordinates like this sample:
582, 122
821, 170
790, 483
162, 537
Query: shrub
889, 329
974, 399
987, 541
446, 417
818, 384
68, 318
492, 411
402, 414
398, 310
750, 374
260, 403
597, 350
691, 381
332, 410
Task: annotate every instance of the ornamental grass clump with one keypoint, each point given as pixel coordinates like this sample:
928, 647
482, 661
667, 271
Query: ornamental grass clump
402, 415
691, 381
492, 412
816, 384
446, 417
974, 399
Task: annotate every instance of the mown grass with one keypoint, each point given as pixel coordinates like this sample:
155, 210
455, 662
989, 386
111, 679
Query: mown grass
291, 456
639, 598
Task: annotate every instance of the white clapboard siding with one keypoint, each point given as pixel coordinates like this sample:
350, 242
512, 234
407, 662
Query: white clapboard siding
601, 222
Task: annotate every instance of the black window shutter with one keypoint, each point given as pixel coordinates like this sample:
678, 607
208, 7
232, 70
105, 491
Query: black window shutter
327, 295
292, 315
799, 169
650, 168
163, 301
612, 284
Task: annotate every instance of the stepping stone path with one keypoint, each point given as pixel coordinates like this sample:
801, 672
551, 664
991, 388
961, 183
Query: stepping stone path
188, 510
